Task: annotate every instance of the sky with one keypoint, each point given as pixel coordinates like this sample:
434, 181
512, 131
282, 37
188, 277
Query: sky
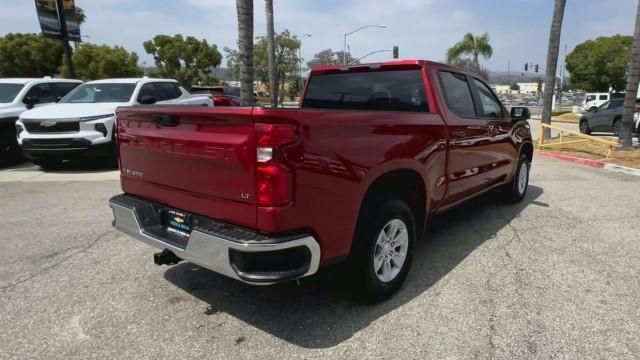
425, 29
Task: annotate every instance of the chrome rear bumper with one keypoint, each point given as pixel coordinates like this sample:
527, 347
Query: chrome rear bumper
213, 251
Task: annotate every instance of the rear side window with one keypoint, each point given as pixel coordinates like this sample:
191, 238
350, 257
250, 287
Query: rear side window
616, 104
399, 90
62, 89
168, 91
457, 93
148, 89
604, 97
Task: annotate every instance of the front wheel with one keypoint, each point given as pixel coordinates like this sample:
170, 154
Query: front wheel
617, 126
516, 190
584, 127
381, 255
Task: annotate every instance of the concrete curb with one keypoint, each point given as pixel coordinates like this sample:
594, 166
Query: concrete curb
597, 164
622, 169
574, 159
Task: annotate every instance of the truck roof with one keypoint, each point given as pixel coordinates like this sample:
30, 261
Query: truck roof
394, 64
28, 80
128, 80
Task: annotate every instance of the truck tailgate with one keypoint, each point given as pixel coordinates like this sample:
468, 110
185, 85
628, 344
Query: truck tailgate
200, 159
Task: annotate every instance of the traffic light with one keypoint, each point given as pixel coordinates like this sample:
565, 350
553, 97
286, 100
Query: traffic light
396, 52
539, 86
536, 67
526, 67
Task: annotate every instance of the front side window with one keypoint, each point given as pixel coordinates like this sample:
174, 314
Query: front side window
604, 106
616, 104
590, 98
489, 105
100, 93
43, 92
457, 93
8, 92
398, 90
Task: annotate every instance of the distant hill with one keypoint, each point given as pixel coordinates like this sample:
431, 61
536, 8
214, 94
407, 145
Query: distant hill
503, 77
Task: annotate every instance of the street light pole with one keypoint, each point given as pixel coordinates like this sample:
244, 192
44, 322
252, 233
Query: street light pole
344, 51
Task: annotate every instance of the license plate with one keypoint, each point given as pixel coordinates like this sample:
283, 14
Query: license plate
178, 222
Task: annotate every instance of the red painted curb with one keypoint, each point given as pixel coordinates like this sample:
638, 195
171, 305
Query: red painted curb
577, 160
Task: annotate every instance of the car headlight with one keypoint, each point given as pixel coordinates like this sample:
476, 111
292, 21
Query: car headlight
97, 117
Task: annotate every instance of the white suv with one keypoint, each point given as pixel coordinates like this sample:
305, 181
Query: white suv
19, 95
82, 123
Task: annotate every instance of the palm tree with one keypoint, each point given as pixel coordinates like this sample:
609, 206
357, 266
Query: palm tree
244, 9
81, 17
271, 54
474, 46
552, 63
632, 88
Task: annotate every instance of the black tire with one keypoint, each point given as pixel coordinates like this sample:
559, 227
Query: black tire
616, 126
514, 192
364, 280
584, 127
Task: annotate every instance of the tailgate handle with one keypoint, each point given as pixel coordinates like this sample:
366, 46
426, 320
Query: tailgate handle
165, 120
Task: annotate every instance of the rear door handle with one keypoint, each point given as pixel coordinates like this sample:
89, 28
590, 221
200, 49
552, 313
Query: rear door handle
165, 120
459, 133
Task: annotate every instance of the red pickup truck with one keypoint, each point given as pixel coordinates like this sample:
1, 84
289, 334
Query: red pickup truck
269, 195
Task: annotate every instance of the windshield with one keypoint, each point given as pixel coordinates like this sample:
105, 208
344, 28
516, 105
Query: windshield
8, 92
100, 93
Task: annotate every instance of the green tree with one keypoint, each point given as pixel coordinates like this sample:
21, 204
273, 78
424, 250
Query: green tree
600, 64
471, 45
294, 88
183, 59
514, 86
93, 62
287, 60
328, 57
29, 55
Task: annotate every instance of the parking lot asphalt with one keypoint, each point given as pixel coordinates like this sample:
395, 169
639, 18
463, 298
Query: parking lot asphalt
556, 276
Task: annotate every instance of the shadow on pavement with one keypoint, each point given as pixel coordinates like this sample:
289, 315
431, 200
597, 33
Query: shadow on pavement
316, 313
85, 165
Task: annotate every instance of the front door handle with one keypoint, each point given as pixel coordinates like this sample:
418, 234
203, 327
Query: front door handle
458, 133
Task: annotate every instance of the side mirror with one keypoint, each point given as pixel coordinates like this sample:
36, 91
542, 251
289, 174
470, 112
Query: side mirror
31, 101
520, 113
148, 100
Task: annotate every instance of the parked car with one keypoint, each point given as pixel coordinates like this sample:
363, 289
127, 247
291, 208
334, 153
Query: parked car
606, 118
593, 101
82, 123
19, 95
221, 95
269, 195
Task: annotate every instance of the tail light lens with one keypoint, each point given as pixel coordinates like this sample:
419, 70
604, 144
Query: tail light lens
273, 178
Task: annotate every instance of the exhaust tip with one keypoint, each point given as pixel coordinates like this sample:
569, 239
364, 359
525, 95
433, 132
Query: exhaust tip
166, 257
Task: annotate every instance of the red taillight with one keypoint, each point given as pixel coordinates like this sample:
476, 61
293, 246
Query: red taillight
273, 178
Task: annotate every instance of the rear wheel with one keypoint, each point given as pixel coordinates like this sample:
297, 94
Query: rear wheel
584, 127
382, 251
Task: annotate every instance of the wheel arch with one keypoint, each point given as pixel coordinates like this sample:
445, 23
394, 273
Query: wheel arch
403, 183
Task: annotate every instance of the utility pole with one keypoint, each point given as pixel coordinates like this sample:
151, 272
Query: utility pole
509, 72
65, 39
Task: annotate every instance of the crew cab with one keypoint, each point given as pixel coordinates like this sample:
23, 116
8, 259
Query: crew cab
82, 123
18, 95
268, 195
